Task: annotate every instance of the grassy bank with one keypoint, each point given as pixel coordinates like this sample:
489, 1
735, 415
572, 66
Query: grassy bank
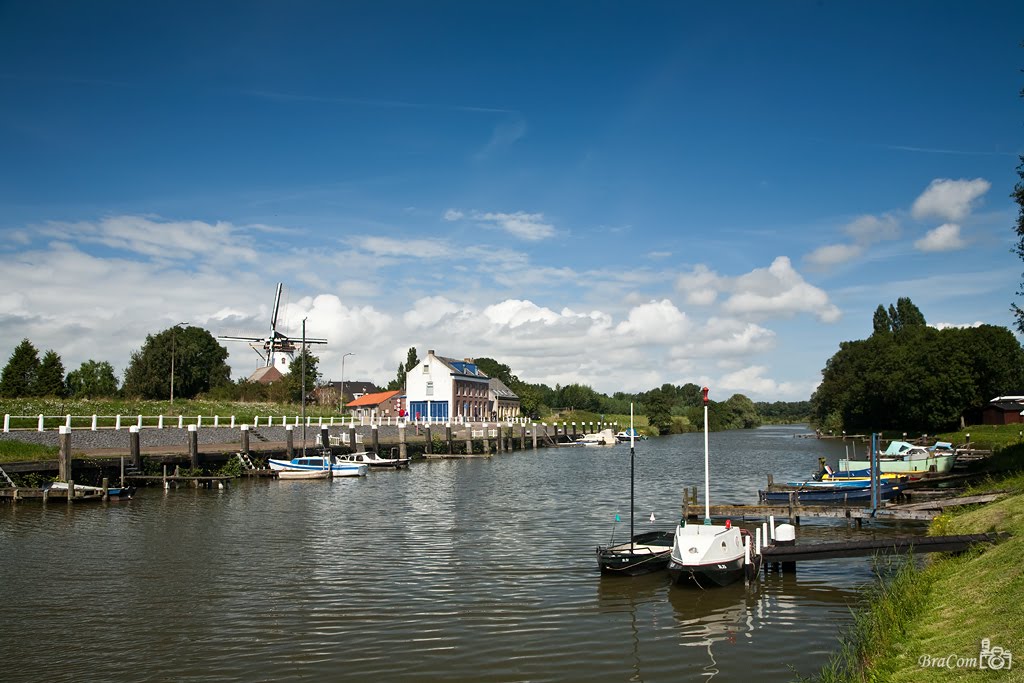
914, 621
17, 451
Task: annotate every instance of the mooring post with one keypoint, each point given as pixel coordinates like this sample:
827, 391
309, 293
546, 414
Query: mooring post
64, 454
325, 438
289, 440
429, 447
533, 433
403, 450
165, 476
106, 488
244, 429
375, 438
500, 446
352, 437
134, 448
487, 440
469, 440
71, 491
522, 436
193, 446
448, 436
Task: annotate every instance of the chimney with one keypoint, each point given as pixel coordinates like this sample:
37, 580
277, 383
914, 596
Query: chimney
430, 352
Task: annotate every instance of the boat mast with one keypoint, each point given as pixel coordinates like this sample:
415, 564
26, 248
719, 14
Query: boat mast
632, 455
707, 480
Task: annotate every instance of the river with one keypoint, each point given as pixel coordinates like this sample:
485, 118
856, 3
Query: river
455, 570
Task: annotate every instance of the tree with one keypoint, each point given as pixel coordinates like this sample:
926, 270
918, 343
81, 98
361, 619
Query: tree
411, 361
909, 314
294, 378
92, 379
1018, 196
881, 323
19, 375
200, 363
50, 376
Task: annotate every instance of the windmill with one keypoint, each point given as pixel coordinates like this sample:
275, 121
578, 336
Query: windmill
277, 350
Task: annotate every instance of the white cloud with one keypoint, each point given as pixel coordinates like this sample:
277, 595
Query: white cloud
868, 229
513, 313
656, 322
779, 290
751, 380
403, 248
946, 237
834, 254
527, 226
453, 215
947, 326
950, 200
700, 285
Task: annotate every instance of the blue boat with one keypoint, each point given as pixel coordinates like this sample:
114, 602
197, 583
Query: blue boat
822, 495
319, 462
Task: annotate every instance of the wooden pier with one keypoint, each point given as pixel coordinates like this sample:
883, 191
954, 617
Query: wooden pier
859, 548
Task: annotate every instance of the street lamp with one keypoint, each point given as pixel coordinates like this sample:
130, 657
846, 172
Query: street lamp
174, 328
341, 406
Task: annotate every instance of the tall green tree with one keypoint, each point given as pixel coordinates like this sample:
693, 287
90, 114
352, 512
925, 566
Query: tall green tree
92, 379
200, 363
1018, 196
294, 379
881, 323
50, 376
411, 361
18, 377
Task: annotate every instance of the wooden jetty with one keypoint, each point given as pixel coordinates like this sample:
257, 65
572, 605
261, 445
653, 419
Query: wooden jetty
859, 548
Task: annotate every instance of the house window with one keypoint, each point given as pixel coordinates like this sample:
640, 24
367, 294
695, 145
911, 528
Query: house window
426, 369
430, 388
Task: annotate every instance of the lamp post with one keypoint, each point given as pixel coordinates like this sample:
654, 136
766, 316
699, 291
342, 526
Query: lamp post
341, 406
174, 329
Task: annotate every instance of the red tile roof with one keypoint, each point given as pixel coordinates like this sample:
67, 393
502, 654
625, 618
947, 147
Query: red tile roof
373, 399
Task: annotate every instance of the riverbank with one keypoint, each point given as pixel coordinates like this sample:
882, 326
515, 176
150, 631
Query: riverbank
930, 623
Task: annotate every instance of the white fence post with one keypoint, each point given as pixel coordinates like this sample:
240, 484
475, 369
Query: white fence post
94, 422
67, 420
216, 420
139, 423
256, 421
160, 421
199, 421
181, 421
232, 421
40, 428
117, 423
7, 422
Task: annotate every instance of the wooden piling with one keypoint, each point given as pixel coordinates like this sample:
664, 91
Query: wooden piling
469, 440
429, 448
448, 437
71, 491
375, 438
134, 448
64, 454
193, 446
245, 439
106, 488
533, 433
500, 446
403, 449
325, 438
352, 438
289, 440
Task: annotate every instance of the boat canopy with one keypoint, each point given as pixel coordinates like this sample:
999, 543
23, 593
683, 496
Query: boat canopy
898, 448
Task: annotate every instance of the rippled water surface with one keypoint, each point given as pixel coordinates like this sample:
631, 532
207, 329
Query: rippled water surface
456, 570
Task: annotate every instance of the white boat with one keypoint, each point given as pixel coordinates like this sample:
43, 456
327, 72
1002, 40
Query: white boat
906, 458
707, 554
372, 460
319, 462
605, 437
627, 434
303, 474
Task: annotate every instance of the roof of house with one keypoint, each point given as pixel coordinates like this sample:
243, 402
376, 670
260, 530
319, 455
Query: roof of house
266, 375
1007, 403
373, 399
501, 390
353, 387
463, 368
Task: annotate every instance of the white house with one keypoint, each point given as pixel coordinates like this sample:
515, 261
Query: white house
445, 389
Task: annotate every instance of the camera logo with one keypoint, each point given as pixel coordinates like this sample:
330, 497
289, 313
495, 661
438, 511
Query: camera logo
994, 658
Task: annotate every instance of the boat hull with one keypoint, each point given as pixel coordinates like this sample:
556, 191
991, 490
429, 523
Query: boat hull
346, 469
303, 475
824, 496
940, 464
713, 574
649, 552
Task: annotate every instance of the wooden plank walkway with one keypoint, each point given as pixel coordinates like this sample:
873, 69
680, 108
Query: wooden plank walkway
794, 513
896, 544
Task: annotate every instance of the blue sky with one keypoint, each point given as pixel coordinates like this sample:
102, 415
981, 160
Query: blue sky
618, 194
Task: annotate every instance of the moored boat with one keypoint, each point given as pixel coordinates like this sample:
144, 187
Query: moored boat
645, 553
707, 554
823, 495
303, 474
112, 491
319, 462
905, 458
372, 460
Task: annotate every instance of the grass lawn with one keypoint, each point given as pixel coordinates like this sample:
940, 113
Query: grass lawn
19, 451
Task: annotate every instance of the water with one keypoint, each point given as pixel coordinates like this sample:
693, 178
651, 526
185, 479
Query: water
467, 570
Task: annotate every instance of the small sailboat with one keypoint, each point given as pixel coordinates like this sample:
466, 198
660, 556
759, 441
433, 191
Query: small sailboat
644, 553
707, 554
